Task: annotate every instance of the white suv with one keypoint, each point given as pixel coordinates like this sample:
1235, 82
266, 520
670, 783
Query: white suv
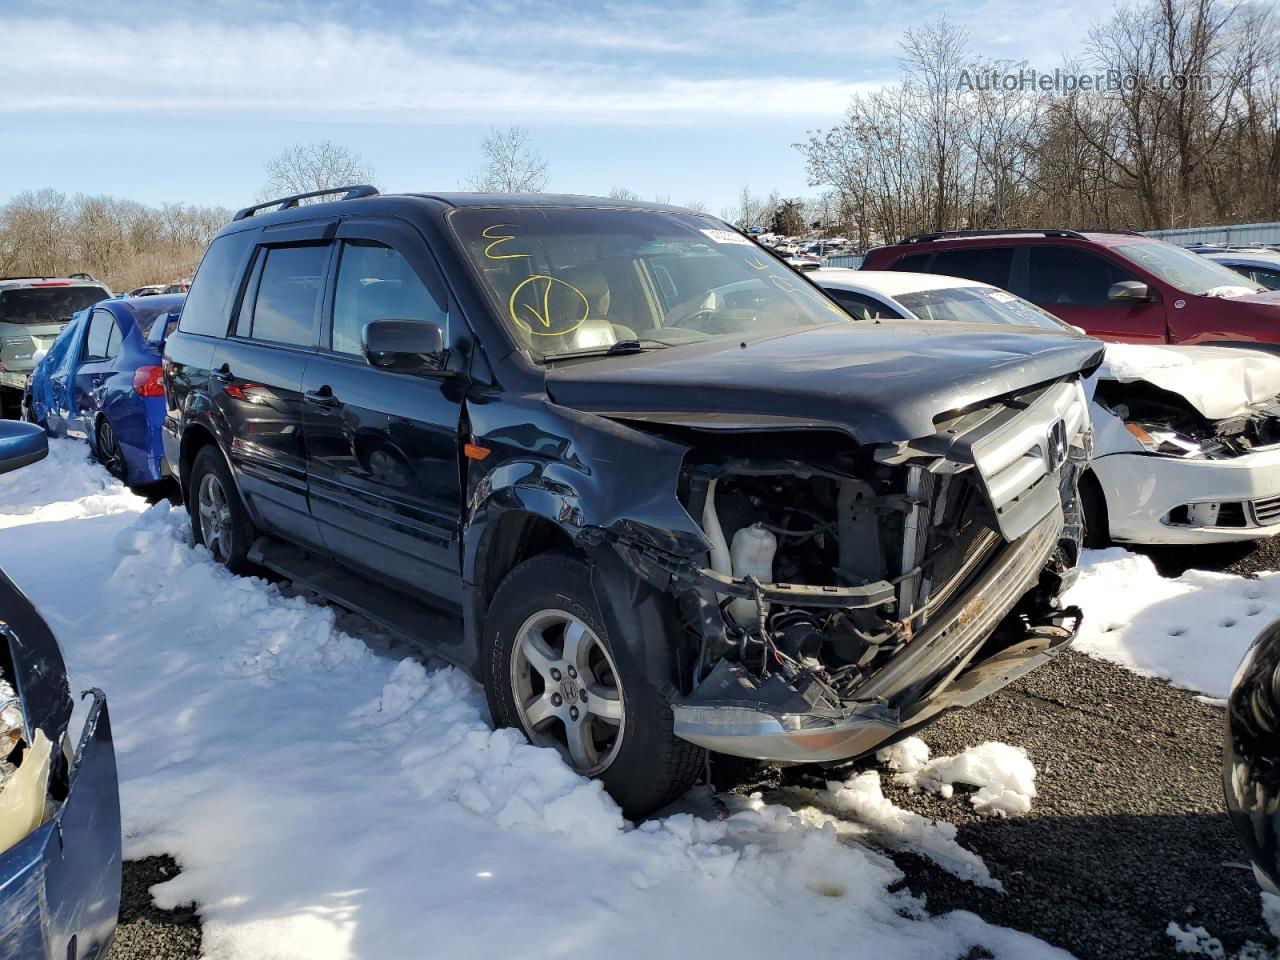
33, 311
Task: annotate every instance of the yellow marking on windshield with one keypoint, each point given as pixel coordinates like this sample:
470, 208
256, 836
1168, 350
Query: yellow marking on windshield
498, 240
554, 306
755, 263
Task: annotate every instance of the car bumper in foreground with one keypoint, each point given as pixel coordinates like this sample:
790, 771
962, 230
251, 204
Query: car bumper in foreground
1165, 500
60, 885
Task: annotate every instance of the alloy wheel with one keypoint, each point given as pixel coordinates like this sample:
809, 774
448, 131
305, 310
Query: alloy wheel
567, 690
109, 450
215, 517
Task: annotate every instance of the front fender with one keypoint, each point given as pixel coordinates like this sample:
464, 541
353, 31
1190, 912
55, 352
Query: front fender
583, 473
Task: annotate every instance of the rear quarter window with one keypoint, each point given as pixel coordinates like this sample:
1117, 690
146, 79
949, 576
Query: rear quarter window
984, 264
205, 310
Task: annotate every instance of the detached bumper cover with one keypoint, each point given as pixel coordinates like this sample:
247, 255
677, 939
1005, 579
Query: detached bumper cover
728, 714
60, 885
1141, 489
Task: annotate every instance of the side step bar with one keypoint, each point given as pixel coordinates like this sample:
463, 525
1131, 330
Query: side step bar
417, 623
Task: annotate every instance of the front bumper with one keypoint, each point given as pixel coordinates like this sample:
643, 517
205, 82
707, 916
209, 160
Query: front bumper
60, 885
1142, 490
726, 714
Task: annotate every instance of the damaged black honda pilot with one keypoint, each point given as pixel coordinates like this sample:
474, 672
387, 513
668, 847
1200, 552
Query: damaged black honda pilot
648, 484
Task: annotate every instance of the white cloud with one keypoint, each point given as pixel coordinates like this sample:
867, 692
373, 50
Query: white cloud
335, 70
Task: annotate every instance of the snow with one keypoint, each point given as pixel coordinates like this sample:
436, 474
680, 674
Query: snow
1195, 940
328, 801
1004, 774
1192, 631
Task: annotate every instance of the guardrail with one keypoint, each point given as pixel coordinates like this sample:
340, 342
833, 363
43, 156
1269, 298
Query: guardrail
850, 260
1238, 234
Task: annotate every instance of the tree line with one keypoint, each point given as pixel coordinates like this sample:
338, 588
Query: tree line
1177, 124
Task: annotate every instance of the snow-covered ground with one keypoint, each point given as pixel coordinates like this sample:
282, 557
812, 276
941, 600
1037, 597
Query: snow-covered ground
327, 801
1192, 630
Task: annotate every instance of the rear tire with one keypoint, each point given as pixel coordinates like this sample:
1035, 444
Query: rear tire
552, 671
107, 447
219, 520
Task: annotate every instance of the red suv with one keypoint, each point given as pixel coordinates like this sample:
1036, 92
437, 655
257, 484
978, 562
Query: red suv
1117, 285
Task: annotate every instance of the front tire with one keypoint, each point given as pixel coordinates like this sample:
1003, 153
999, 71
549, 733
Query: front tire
219, 519
553, 671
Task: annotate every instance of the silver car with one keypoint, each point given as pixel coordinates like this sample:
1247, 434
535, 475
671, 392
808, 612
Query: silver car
33, 311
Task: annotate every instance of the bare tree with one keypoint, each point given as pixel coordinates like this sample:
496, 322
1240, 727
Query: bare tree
697, 206
511, 164
622, 193
321, 165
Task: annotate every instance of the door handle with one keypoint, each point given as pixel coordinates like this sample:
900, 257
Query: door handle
321, 398
222, 374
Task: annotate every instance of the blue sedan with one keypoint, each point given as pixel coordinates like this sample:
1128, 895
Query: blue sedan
101, 381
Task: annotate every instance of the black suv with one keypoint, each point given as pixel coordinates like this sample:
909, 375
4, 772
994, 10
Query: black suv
648, 484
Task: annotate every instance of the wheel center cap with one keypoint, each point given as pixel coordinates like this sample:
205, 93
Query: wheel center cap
569, 689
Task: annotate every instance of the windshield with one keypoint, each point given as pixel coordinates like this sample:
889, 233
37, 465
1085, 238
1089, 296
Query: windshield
46, 304
580, 280
978, 305
1189, 272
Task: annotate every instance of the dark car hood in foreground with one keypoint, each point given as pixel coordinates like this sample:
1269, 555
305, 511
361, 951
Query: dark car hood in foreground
880, 382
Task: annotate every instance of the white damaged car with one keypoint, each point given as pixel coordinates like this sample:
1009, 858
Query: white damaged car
1186, 445
1186, 440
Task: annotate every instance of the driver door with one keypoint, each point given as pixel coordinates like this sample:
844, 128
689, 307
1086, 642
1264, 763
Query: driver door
383, 448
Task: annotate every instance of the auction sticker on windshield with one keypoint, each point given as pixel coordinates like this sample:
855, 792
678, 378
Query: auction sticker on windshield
727, 236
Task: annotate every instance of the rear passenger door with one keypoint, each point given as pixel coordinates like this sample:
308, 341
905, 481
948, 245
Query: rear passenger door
101, 346
1072, 284
256, 375
383, 447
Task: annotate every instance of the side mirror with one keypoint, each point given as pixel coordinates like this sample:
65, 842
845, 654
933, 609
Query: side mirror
21, 444
1080, 330
1129, 291
404, 346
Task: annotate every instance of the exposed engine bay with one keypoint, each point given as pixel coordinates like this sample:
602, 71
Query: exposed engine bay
846, 588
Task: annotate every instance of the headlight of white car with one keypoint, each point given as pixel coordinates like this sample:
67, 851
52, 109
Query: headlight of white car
1158, 438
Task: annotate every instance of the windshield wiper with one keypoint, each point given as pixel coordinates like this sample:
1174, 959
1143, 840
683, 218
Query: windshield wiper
613, 350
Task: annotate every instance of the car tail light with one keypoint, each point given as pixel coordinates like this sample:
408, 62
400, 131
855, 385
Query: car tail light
149, 381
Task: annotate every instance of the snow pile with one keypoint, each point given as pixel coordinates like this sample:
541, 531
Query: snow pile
1004, 774
1192, 631
1271, 913
327, 802
878, 818
64, 486
1195, 940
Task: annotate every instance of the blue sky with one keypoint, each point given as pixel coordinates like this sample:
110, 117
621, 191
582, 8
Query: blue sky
180, 101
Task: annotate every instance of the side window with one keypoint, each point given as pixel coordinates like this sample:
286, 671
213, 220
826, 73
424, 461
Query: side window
912, 264
205, 309
861, 306
113, 342
101, 328
284, 306
984, 264
377, 283
1267, 277
1065, 276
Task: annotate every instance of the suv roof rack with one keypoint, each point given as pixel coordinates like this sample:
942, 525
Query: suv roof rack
69, 276
81, 275
1034, 231
284, 203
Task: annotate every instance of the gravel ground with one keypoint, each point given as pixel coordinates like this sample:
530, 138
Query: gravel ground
146, 932
1128, 831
